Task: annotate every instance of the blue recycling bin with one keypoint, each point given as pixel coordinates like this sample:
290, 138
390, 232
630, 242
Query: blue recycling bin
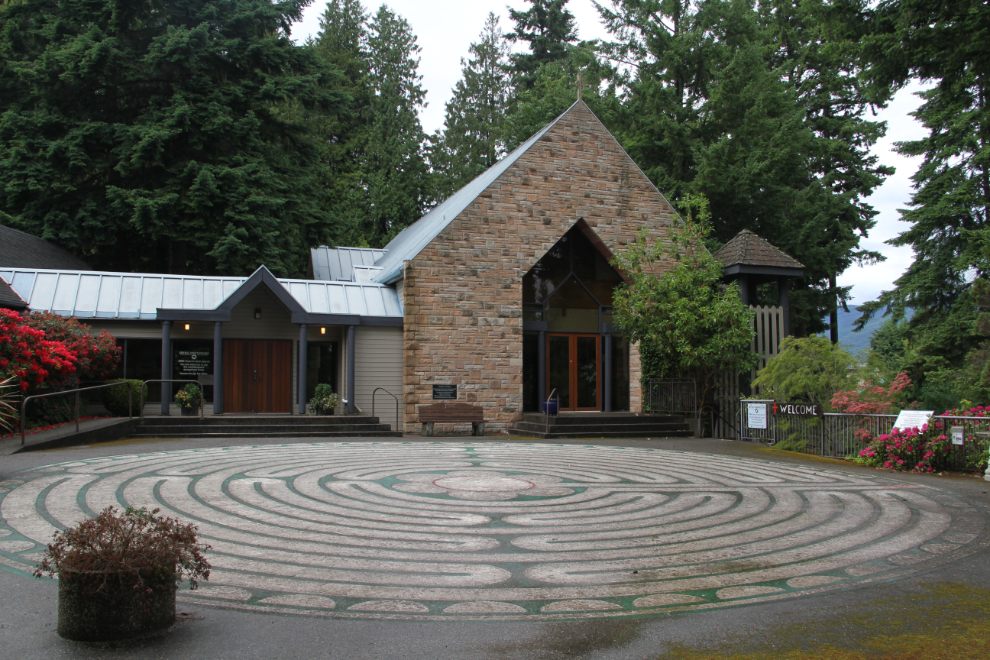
549, 407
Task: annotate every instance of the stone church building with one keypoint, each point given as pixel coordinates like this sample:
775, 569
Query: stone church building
500, 295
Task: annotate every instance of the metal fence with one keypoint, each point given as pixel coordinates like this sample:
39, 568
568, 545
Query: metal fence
838, 435
673, 396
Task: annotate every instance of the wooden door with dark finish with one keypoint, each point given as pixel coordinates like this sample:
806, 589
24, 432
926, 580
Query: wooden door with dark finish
257, 376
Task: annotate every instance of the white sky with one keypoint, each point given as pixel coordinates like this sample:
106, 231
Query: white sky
445, 29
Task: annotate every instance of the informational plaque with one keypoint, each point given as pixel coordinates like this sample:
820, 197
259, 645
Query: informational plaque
756, 414
190, 363
912, 419
445, 392
957, 435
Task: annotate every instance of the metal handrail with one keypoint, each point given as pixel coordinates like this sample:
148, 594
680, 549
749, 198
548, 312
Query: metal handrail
396, 404
130, 400
546, 408
171, 380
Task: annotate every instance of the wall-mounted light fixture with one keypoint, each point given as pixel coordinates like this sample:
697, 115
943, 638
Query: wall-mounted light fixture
323, 331
257, 312
187, 326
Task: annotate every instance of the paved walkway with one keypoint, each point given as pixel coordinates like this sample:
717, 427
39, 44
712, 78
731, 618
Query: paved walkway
501, 535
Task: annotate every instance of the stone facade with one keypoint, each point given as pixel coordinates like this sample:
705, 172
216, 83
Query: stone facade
462, 294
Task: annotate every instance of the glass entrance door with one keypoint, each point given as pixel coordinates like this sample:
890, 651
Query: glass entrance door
573, 369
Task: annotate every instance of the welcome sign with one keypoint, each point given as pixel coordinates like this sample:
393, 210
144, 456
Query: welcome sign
798, 409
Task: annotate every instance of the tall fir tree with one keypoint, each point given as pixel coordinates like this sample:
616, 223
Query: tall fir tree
163, 136
341, 42
941, 44
398, 186
718, 106
549, 28
473, 134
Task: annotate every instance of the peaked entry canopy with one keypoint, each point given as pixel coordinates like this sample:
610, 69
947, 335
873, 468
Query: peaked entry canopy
748, 253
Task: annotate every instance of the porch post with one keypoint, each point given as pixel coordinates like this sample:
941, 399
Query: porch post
303, 348
541, 369
607, 380
218, 368
350, 370
784, 304
166, 364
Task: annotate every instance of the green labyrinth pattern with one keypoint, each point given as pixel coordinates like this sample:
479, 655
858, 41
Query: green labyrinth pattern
504, 531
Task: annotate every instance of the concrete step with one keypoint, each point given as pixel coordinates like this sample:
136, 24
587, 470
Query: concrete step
261, 420
612, 419
598, 434
364, 433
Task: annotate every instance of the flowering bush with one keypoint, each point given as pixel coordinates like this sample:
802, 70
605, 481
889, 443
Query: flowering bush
977, 457
25, 353
910, 450
873, 399
96, 355
324, 399
188, 396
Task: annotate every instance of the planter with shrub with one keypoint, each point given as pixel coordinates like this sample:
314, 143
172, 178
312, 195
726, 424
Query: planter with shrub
118, 573
324, 400
188, 399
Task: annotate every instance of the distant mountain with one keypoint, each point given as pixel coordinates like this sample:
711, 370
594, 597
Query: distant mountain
857, 341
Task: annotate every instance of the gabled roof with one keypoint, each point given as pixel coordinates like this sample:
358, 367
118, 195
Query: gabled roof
411, 240
9, 299
342, 264
747, 252
93, 294
20, 250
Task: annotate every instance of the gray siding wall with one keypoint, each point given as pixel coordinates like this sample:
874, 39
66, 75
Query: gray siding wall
378, 360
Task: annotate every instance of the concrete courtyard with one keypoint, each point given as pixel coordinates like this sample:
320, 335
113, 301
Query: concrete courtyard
502, 549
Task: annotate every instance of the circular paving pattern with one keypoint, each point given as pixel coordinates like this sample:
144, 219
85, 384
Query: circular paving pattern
503, 531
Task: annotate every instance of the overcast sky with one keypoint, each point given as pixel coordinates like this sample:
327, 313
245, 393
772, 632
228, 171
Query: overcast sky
445, 29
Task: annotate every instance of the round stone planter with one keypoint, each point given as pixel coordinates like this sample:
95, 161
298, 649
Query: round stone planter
120, 612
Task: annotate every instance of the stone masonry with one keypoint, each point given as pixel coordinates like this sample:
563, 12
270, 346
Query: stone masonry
462, 294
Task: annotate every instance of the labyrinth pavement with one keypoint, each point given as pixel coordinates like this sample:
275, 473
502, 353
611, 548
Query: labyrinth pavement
503, 531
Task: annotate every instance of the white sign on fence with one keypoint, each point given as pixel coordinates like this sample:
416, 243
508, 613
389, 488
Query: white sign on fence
957, 435
910, 419
756, 414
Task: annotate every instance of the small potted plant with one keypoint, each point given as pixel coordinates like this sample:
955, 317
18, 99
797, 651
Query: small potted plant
118, 572
188, 399
324, 400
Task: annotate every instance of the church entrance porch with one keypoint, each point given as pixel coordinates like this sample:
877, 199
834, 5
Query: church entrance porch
257, 375
573, 370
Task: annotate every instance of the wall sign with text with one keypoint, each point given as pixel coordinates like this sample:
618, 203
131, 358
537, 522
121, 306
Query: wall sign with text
445, 392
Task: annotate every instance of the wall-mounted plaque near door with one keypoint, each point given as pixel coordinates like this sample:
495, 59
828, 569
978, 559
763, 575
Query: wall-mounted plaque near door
445, 392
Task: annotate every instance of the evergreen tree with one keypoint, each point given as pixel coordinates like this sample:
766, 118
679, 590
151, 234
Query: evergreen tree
163, 135
548, 27
473, 134
941, 43
748, 106
341, 43
398, 188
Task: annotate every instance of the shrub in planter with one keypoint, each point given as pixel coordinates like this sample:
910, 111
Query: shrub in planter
188, 398
115, 398
324, 400
118, 573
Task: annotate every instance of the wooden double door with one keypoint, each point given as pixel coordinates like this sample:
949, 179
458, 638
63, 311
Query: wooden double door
257, 376
574, 370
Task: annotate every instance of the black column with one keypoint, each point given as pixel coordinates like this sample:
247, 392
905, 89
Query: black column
303, 349
350, 370
607, 398
218, 368
784, 304
743, 282
541, 369
166, 364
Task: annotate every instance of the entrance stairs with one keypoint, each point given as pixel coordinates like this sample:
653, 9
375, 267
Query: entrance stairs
600, 425
265, 426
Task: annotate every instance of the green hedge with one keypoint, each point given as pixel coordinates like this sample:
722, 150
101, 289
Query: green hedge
115, 398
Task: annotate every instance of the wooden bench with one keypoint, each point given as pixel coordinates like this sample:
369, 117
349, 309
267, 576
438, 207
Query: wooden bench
451, 413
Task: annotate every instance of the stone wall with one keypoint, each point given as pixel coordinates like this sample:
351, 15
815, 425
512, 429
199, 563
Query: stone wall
462, 295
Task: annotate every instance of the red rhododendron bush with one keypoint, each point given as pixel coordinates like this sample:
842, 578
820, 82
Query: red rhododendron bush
909, 450
45, 352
